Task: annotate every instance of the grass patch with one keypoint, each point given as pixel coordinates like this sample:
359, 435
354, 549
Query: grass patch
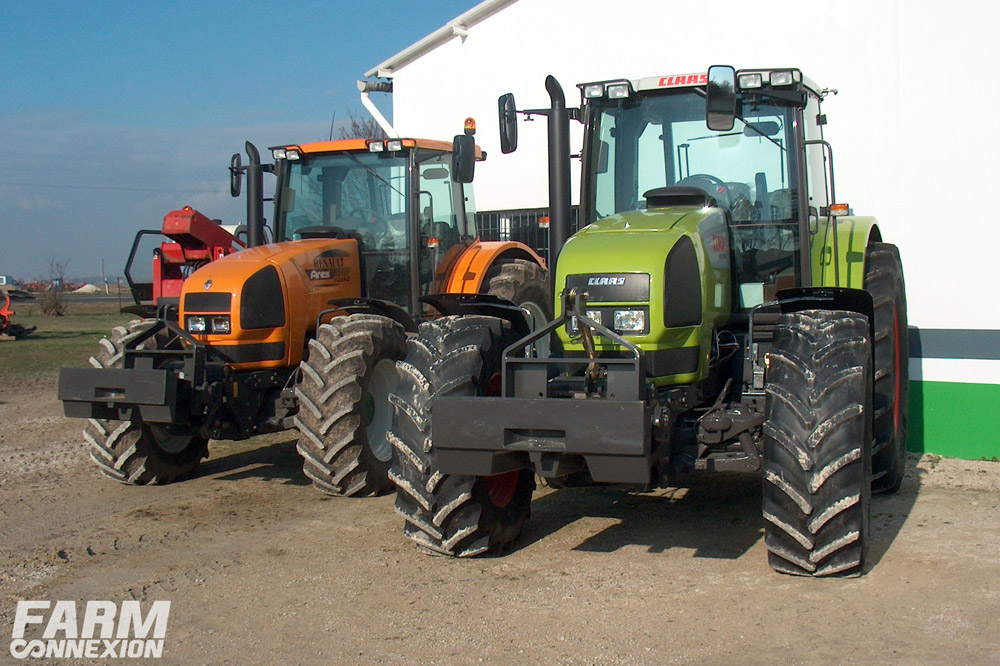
58, 341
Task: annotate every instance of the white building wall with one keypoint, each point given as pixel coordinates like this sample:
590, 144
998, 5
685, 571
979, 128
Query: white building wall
914, 141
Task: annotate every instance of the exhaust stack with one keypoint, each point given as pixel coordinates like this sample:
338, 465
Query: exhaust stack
560, 205
255, 198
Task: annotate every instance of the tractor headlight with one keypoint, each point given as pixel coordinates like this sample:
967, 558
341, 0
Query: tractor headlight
376, 147
630, 321
574, 325
618, 91
394, 145
781, 78
593, 90
753, 80
220, 324
196, 324
278, 153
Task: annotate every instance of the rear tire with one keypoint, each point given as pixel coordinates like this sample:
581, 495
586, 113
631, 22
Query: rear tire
817, 444
884, 280
344, 411
525, 284
133, 452
453, 514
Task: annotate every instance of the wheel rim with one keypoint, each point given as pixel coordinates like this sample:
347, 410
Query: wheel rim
897, 370
377, 412
542, 346
168, 441
502, 487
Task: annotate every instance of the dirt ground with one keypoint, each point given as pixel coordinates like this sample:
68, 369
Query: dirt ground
260, 568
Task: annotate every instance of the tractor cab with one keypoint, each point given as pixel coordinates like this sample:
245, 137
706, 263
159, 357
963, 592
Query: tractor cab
647, 142
399, 198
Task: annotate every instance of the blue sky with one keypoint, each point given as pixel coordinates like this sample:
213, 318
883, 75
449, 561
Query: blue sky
114, 113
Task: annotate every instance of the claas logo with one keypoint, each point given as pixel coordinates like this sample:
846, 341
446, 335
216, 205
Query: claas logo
684, 80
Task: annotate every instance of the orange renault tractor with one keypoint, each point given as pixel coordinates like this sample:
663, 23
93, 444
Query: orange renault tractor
370, 238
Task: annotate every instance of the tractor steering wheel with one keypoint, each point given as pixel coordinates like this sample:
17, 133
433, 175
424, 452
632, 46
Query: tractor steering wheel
367, 216
714, 186
370, 224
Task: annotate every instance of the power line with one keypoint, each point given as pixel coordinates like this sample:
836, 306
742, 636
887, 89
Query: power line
109, 187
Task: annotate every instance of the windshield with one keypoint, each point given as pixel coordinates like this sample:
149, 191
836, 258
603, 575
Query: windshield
364, 193
646, 142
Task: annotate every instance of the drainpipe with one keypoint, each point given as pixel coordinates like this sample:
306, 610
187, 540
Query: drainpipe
366, 87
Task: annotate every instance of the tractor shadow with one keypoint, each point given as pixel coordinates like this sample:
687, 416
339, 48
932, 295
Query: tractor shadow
716, 516
270, 461
890, 512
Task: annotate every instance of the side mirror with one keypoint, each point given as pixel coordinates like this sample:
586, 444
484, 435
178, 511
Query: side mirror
720, 98
235, 175
463, 158
508, 123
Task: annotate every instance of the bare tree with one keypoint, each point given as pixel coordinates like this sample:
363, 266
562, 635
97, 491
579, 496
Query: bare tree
361, 127
53, 304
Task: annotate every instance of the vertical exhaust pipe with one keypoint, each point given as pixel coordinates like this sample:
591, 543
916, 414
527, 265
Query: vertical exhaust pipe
255, 198
559, 187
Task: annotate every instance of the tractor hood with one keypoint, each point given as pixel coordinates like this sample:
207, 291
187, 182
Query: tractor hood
256, 306
671, 263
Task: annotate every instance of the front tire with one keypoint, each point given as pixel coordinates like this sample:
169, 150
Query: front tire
817, 444
344, 412
134, 452
143, 454
453, 514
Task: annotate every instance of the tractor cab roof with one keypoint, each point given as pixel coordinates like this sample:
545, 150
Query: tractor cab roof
787, 77
369, 145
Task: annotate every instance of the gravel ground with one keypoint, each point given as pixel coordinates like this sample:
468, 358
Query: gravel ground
260, 568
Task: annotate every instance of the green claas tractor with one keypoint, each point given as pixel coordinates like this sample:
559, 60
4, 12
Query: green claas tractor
720, 311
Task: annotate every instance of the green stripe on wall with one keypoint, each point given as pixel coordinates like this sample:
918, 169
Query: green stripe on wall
957, 420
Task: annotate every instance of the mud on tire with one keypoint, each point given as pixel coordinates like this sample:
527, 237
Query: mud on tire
133, 452
884, 280
817, 444
344, 412
454, 515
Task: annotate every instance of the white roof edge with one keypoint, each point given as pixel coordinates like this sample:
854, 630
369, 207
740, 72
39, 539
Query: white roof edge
457, 27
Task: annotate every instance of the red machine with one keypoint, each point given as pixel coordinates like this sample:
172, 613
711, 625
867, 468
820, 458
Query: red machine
195, 240
10, 330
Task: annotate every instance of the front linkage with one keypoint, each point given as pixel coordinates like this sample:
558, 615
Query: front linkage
597, 416
165, 377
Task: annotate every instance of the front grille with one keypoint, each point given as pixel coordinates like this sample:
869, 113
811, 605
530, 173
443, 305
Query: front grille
208, 302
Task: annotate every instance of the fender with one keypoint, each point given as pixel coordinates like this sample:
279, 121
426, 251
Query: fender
369, 306
467, 275
854, 233
857, 301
